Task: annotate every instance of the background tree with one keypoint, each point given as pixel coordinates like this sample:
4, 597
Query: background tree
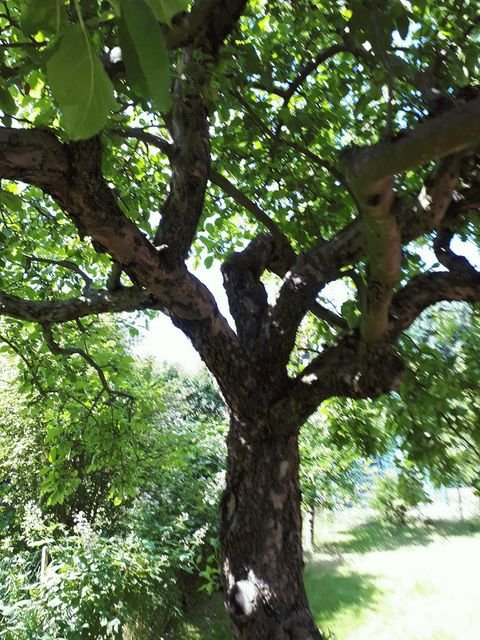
434, 417
318, 141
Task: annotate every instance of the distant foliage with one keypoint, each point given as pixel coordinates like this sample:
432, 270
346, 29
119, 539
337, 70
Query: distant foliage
394, 494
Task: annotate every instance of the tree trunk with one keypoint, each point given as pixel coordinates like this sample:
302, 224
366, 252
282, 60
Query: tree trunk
261, 535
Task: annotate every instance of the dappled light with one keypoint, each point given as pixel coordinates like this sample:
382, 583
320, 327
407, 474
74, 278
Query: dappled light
323, 160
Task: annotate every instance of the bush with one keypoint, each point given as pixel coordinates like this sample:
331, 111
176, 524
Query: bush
94, 588
394, 494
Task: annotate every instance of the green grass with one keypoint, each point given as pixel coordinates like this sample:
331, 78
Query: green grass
374, 580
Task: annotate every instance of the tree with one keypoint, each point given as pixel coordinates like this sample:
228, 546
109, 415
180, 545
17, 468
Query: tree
434, 418
316, 141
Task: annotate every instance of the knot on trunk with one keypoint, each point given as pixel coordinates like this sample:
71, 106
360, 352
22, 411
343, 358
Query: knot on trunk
243, 600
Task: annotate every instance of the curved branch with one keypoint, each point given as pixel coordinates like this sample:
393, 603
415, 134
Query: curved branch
69, 351
448, 258
215, 178
449, 133
428, 289
148, 138
343, 370
71, 174
231, 190
310, 67
66, 264
207, 25
98, 302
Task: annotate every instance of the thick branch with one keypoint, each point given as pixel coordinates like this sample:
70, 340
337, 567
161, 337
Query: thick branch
367, 169
53, 311
246, 293
207, 25
215, 178
450, 133
437, 195
446, 256
383, 247
71, 174
343, 370
428, 289
190, 162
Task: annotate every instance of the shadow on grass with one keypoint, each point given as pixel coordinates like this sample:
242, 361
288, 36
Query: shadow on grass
330, 586
333, 587
207, 620
376, 535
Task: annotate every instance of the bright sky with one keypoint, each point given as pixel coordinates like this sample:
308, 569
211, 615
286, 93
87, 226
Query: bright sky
166, 343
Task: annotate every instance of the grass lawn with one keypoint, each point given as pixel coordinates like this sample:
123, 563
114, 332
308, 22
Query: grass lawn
418, 582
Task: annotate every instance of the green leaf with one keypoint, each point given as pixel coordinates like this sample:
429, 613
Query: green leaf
151, 51
7, 103
349, 312
80, 85
135, 73
11, 201
164, 10
115, 4
43, 15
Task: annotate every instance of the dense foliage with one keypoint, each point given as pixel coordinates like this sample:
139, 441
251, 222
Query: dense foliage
125, 546
300, 142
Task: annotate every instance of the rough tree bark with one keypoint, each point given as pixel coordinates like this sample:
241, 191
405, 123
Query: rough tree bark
260, 511
261, 534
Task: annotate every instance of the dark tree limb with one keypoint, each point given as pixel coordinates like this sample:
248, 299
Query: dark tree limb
190, 162
328, 316
428, 289
206, 26
446, 256
246, 293
342, 369
71, 174
148, 138
215, 178
126, 299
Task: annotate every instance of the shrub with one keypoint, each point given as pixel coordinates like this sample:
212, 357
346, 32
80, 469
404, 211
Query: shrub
394, 494
94, 588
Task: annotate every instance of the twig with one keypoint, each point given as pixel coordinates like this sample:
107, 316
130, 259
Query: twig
231, 190
56, 349
328, 316
66, 264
